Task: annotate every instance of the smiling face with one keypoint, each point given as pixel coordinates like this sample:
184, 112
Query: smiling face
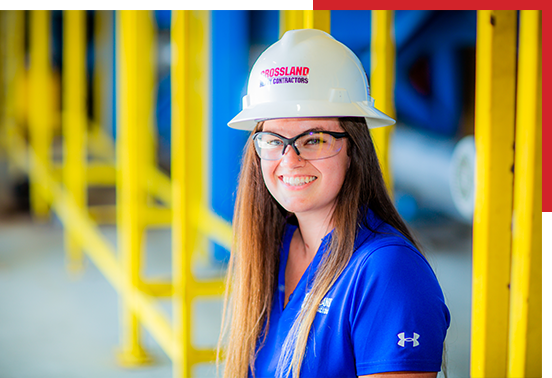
305, 186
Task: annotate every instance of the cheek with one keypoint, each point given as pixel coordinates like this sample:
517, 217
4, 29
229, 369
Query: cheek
267, 169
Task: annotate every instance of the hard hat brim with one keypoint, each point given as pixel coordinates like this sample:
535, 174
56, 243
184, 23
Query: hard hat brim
248, 118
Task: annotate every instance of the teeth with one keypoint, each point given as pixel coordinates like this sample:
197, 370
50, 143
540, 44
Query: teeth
297, 181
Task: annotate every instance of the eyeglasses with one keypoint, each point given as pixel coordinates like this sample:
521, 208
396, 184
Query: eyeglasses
310, 145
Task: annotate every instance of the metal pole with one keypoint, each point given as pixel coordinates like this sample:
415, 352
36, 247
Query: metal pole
307, 19
40, 105
74, 121
14, 77
382, 84
181, 197
525, 344
190, 52
494, 139
130, 189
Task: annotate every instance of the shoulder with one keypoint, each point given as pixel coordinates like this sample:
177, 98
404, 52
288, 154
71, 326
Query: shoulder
386, 247
389, 269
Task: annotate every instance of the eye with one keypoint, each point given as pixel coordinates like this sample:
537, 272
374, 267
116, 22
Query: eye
269, 141
274, 142
314, 141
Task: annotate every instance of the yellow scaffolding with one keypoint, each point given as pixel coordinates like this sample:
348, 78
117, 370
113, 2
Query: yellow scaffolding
506, 291
382, 86
525, 328
507, 261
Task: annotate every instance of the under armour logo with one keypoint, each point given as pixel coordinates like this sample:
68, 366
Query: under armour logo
413, 340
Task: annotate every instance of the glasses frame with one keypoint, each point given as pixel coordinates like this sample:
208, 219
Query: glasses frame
291, 141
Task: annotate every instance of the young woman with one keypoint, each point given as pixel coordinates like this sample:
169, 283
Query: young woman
325, 279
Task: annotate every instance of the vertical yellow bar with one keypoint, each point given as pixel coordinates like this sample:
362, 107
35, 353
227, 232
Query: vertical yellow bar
130, 193
180, 88
40, 105
307, 19
494, 139
74, 121
148, 48
525, 344
189, 85
382, 84
14, 75
3, 78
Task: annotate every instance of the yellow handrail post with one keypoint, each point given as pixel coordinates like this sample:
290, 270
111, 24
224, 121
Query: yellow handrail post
74, 122
181, 261
100, 146
525, 343
494, 139
14, 80
382, 77
189, 81
148, 70
130, 189
304, 19
40, 106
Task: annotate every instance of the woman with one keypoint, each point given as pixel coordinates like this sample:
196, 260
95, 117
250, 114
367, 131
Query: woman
325, 279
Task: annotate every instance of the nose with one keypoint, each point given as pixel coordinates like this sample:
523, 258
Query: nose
291, 158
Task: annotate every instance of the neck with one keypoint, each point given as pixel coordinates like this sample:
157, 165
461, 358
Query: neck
313, 227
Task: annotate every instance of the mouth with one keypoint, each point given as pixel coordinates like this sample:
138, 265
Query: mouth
297, 180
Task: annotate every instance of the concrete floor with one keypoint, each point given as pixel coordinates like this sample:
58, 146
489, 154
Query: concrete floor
56, 326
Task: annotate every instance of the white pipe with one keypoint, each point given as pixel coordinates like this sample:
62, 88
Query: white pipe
435, 171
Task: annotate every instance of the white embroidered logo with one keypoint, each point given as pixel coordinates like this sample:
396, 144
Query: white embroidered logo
413, 340
324, 306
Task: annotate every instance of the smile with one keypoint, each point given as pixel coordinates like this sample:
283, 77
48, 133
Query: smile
298, 181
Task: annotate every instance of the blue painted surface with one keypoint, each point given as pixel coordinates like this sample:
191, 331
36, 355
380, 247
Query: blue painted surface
430, 74
230, 67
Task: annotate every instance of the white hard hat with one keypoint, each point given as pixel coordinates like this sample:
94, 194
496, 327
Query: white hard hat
307, 73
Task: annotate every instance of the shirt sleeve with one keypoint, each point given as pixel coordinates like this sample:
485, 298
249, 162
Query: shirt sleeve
398, 315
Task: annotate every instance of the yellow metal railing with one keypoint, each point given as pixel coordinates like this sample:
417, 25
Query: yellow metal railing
40, 103
382, 77
88, 159
304, 19
506, 292
74, 122
525, 328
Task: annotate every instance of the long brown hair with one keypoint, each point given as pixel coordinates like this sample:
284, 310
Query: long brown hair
258, 226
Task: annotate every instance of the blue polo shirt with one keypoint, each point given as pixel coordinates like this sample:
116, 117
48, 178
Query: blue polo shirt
386, 311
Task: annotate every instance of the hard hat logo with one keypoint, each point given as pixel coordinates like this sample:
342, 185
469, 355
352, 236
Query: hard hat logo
337, 82
285, 75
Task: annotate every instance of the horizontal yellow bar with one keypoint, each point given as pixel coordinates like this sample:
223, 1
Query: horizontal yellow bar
198, 356
101, 174
209, 288
156, 216
103, 214
157, 288
215, 228
199, 288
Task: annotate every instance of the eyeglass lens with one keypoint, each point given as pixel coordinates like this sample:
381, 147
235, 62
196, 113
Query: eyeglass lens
312, 146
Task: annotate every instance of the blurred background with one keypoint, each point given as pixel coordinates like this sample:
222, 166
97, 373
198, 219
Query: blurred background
61, 319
